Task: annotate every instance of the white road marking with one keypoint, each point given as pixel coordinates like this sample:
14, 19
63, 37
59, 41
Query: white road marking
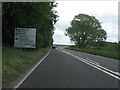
93, 61
98, 65
95, 65
16, 86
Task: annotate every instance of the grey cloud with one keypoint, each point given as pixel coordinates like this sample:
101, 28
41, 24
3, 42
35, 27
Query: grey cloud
62, 25
108, 18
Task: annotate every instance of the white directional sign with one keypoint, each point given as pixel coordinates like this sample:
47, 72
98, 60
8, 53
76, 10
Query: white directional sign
25, 37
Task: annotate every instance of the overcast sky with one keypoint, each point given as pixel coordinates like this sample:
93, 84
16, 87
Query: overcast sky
104, 11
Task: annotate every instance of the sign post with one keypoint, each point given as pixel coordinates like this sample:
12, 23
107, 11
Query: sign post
25, 38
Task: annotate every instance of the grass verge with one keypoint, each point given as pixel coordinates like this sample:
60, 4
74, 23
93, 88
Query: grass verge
17, 61
105, 53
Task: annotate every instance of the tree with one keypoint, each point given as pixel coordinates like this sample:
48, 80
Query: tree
85, 30
39, 15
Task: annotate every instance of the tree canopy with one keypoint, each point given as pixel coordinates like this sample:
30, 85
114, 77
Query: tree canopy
86, 30
39, 15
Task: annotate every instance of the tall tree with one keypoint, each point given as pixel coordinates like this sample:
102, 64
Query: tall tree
85, 30
40, 15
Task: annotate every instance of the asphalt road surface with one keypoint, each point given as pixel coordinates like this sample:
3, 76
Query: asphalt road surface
60, 70
112, 64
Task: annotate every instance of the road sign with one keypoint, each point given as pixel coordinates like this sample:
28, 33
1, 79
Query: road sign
25, 37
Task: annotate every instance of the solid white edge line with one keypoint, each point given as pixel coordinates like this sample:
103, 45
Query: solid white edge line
93, 65
16, 86
116, 73
98, 65
93, 61
100, 69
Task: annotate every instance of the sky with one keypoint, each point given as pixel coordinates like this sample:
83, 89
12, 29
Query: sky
105, 11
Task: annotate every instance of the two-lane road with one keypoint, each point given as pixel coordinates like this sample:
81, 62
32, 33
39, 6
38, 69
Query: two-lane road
60, 70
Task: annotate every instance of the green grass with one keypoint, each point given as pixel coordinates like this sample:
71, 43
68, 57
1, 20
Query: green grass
17, 61
101, 52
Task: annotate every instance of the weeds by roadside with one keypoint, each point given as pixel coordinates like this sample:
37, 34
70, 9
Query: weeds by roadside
17, 61
101, 52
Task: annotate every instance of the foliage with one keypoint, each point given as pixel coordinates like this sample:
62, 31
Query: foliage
16, 62
109, 50
86, 30
39, 15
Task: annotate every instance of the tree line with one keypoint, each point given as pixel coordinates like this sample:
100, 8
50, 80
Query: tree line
39, 15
